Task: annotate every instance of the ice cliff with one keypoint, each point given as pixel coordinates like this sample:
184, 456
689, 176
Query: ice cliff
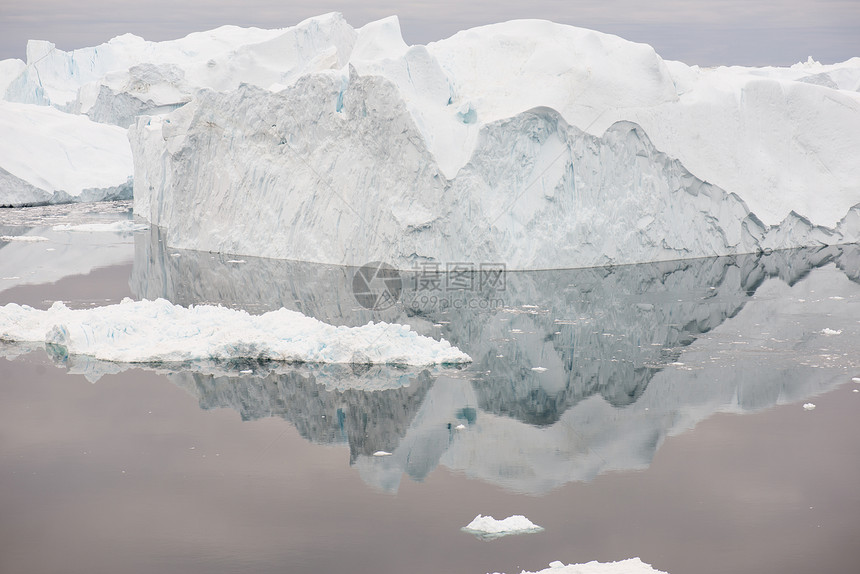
528, 142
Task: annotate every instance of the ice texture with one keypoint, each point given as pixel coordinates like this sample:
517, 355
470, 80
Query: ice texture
160, 332
488, 528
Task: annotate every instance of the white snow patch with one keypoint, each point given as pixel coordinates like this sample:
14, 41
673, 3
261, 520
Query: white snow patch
487, 527
382, 453
539, 369
160, 332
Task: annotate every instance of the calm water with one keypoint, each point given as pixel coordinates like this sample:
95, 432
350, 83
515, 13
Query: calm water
651, 411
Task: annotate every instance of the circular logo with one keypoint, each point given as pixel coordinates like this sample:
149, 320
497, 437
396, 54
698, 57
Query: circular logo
377, 286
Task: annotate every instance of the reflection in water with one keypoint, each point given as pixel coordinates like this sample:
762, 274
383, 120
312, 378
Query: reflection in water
575, 373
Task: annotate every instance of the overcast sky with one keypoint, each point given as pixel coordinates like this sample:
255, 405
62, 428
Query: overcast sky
706, 33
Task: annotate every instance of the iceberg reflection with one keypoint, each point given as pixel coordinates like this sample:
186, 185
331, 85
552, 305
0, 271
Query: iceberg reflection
576, 373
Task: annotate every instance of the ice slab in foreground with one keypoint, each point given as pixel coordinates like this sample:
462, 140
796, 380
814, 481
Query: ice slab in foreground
160, 332
47, 156
488, 528
629, 566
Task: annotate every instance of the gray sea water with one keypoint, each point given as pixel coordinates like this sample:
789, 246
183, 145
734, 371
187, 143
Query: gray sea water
651, 410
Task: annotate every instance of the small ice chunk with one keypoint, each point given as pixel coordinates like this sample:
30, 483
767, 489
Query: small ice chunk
124, 226
460, 427
629, 566
808, 406
23, 238
246, 372
381, 453
830, 332
855, 379
539, 369
236, 261
487, 527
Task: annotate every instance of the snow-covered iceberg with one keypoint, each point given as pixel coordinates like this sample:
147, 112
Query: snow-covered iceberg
160, 332
488, 528
530, 143
47, 156
527, 142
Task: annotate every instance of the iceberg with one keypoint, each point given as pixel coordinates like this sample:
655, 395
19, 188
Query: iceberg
47, 156
530, 143
160, 332
447, 152
488, 528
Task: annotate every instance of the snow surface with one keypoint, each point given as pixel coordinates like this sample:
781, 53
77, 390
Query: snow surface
47, 156
160, 332
487, 527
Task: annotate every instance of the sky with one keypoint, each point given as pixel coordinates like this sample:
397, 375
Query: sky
764, 32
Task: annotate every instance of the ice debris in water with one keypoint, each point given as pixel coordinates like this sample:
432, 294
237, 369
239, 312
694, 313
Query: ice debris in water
125, 226
488, 528
24, 238
808, 406
830, 332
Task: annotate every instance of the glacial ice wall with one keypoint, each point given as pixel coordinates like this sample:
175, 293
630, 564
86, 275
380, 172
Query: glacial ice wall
346, 177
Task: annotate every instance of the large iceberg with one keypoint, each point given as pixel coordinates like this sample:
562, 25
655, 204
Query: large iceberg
160, 332
530, 143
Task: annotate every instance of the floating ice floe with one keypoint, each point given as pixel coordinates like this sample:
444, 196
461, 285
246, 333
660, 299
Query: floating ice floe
160, 332
830, 332
808, 406
488, 528
629, 566
24, 238
126, 226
